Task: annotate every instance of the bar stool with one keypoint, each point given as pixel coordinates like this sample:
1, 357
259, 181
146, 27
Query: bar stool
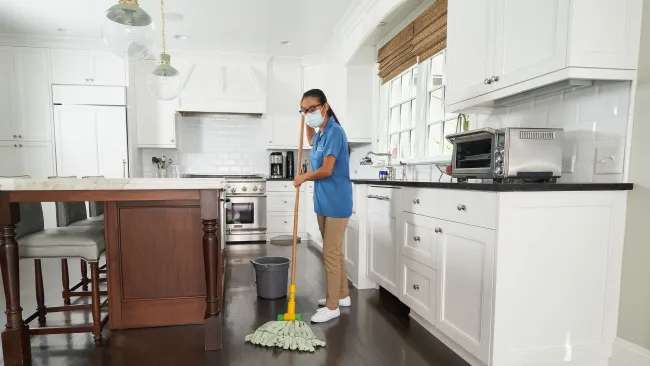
74, 214
37, 243
96, 213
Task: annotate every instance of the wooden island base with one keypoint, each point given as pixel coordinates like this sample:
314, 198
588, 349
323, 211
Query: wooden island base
164, 259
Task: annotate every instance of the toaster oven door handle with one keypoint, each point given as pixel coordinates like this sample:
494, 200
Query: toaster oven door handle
487, 132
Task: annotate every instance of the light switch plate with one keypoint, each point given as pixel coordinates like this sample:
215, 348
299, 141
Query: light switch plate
609, 160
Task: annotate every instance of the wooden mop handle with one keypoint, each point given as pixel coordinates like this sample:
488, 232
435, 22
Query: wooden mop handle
297, 204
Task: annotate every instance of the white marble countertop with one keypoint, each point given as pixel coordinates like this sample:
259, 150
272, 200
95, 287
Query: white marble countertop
71, 184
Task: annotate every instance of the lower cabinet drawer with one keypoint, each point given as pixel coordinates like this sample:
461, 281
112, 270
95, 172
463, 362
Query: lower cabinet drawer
283, 223
281, 201
420, 240
471, 208
419, 288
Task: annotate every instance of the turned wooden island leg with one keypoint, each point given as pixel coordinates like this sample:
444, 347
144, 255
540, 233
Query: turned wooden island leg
16, 349
213, 269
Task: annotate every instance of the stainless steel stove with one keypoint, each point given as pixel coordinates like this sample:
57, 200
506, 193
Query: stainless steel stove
245, 207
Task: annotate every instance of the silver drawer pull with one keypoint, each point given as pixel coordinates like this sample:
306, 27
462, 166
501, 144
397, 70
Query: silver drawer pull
416, 238
416, 201
416, 287
372, 196
286, 202
462, 207
438, 230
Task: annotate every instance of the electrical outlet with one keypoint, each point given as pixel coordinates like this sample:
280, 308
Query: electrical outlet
568, 164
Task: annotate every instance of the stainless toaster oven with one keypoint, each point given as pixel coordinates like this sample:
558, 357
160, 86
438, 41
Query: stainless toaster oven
508, 154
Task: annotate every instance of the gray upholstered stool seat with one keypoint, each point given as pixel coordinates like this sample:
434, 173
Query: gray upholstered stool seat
68, 242
37, 243
96, 221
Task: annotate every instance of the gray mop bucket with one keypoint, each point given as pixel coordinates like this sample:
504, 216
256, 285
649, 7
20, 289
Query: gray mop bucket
271, 276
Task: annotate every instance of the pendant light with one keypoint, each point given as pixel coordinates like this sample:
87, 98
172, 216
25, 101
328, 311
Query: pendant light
128, 30
164, 81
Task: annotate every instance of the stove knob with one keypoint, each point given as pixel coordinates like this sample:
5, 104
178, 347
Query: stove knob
244, 189
261, 188
254, 188
227, 186
498, 159
233, 189
498, 170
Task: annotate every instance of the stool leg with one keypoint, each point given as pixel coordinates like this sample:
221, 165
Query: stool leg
66, 281
96, 303
40, 293
84, 275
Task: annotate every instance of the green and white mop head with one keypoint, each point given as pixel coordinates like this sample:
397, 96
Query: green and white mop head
291, 335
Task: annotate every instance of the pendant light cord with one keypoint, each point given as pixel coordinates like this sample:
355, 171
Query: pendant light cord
162, 23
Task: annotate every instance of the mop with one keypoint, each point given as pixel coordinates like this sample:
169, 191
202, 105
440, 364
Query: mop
289, 331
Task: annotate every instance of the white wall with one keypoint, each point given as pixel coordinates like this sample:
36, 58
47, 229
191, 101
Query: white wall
634, 321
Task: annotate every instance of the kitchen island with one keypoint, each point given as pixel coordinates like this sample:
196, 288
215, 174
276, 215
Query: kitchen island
164, 256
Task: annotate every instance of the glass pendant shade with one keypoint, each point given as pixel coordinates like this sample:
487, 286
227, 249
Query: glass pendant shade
128, 30
164, 81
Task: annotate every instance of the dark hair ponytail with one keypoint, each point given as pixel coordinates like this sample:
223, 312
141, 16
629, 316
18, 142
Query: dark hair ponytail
322, 99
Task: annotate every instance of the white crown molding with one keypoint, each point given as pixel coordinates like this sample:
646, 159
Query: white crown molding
626, 353
52, 42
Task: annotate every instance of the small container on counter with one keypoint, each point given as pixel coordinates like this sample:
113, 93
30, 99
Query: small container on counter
383, 175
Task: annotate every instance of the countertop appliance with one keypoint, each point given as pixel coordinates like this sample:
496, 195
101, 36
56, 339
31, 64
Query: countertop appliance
244, 202
290, 166
276, 166
508, 154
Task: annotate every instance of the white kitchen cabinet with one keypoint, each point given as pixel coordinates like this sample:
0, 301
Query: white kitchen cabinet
311, 219
531, 39
81, 67
383, 250
316, 77
31, 108
7, 129
500, 48
418, 289
285, 93
11, 161
470, 48
155, 119
466, 286
351, 249
91, 141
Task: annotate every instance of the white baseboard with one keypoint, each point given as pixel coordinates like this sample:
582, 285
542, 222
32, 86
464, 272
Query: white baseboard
625, 353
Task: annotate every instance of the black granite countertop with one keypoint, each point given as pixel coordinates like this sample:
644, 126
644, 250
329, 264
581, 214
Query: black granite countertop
279, 180
504, 187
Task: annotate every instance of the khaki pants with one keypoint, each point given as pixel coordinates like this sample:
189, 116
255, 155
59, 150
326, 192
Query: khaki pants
333, 231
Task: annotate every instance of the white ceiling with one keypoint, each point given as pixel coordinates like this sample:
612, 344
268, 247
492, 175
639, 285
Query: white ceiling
251, 26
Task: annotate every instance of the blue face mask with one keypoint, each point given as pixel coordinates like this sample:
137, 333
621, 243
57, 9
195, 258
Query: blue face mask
314, 119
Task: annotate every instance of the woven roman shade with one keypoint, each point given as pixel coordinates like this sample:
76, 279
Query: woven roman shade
421, 39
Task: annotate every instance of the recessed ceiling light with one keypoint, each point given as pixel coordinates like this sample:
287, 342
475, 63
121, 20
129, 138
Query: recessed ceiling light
285, 43
173, 17
180, 37
381, 24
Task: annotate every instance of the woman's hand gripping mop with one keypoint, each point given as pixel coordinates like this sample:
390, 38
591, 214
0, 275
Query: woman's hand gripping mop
289, 331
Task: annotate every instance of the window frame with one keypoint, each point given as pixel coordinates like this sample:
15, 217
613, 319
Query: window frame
414, 122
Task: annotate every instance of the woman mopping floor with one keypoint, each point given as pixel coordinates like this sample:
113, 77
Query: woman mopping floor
330, 161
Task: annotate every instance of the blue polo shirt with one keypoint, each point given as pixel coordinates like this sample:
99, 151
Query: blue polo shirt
332, 195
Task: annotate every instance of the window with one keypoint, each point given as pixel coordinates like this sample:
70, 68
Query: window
402, 114
419, 110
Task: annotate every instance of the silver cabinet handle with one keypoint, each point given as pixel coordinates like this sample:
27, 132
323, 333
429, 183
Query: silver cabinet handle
20, 145
20, 136
372, 196
495, 79
286, 202
438, 230
15, 136
416, 287
123, 168
487, 81
416, 238
15, 145
461, 207
416, 201
384, 198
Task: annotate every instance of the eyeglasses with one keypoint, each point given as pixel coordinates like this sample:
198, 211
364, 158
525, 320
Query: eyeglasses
311, 109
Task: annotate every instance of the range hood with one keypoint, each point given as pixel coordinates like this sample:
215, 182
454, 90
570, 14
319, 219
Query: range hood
221, 116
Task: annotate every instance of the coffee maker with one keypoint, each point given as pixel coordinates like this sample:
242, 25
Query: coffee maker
277, 168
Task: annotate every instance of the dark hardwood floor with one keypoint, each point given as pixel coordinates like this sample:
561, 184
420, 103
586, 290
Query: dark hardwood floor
376, 330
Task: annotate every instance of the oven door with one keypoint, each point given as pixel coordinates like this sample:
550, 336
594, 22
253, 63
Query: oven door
246, 213
473, 154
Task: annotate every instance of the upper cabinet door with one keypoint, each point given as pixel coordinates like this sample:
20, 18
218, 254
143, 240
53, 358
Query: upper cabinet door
76, 140
70, 67
107, 69
32, 104
605, 33
470, 49
112, 151
7, 131
155, 119
531, 39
